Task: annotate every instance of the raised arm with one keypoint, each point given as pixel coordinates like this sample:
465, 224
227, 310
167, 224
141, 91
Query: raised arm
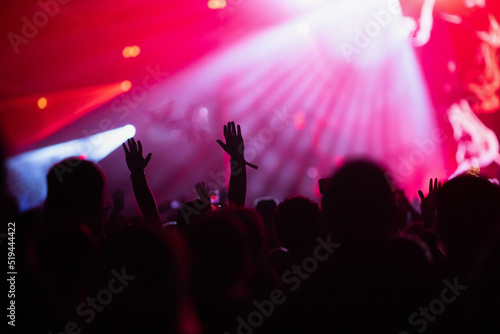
428, 204
147, 203
234, 146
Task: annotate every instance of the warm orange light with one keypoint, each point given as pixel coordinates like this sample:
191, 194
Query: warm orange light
126, 85
216, 4
42, 103
135, 51
131, 51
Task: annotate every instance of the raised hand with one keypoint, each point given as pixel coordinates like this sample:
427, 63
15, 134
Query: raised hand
133, 156
143, 194
234, 145
432, 192
428, 204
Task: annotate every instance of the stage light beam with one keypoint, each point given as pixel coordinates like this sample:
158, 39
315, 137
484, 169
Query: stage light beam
27, 172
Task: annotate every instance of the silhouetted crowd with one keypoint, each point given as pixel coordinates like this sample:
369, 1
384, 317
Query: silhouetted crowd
361, 261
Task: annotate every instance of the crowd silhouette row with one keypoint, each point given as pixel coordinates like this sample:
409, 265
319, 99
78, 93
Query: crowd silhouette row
361, 261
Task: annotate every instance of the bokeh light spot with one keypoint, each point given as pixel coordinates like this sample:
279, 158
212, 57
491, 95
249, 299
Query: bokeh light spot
216, 4
42, 103
312, 172
452, 66
126, 85
131, 51
300, 120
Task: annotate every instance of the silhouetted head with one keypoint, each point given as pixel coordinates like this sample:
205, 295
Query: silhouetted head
75, 195
221, 251
258, 235
297, 223
468, 210
190, 212
359, 204
266, 208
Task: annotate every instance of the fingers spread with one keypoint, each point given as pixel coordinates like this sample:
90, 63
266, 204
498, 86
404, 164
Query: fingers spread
140, 147
134, 145
421, 194
146, 161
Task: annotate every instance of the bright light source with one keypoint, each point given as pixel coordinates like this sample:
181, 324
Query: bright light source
304, 4
216, 4
307, 2
126, 85
42, 103
129, 130
303, 28
131, 51
27, 172
136, 51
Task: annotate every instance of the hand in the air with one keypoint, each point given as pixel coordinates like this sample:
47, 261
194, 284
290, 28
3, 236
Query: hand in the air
234, 145
133, 155
428, 204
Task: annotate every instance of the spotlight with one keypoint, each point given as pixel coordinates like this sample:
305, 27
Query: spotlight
126, 85
27, 172
303, 28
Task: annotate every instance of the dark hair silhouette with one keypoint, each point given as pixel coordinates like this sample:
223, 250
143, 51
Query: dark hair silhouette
297, 224
359, 204
75, 195
468, 209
